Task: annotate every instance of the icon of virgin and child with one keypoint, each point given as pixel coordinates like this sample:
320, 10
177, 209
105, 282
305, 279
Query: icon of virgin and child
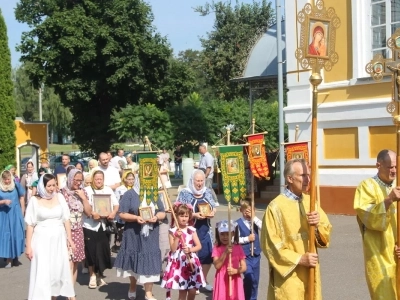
318, 44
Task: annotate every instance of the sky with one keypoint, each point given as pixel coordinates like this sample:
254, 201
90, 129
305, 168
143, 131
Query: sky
175, 19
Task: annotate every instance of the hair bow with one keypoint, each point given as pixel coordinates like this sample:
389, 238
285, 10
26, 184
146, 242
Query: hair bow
177, 204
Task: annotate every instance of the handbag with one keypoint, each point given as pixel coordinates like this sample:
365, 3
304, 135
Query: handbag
111, 228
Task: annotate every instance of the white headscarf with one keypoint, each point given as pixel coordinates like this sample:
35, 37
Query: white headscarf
42, 189
8, 187
190, 186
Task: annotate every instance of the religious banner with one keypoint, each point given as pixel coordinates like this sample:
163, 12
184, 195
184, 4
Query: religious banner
257, 155
148, 176
233, 176
297, 150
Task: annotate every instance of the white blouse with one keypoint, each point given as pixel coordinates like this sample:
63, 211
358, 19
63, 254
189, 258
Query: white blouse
89, 223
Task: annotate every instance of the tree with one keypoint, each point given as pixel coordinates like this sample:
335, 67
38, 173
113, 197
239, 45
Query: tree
143, 120
192, 58
27, 104
7, 111
226, 47
98, 55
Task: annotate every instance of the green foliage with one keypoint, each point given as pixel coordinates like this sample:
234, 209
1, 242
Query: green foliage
196, 121
143, 120
99, 56
227, 46
7, 111
27, 103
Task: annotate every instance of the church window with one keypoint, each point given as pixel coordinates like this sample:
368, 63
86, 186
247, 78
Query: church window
385, 19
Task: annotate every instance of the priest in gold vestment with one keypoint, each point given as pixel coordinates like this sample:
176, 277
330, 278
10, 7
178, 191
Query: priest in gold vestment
374, 203
284, 237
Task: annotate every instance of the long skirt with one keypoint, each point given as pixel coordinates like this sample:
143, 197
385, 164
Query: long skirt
97, 250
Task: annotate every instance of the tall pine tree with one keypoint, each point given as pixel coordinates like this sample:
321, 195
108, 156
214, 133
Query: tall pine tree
7, 105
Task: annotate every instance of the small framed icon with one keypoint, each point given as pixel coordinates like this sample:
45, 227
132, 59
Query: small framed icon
102, 204
163, 197
146, 213
204, 209
61, 180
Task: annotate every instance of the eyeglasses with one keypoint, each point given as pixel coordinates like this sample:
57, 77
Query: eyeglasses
78, 180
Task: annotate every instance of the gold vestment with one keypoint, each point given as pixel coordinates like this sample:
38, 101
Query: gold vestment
284, 239
378, 231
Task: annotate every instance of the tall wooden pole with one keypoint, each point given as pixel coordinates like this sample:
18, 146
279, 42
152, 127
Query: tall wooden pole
253, 124
315, 80
396, 120
228, 142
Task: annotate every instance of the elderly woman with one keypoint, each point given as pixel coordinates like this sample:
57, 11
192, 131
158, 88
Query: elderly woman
27, 179
78, 205
12, 207
97, 249
136, 258
196, 193
92, 165
48, 237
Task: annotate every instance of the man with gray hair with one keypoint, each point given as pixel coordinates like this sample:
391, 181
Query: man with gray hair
206, 164
285, 239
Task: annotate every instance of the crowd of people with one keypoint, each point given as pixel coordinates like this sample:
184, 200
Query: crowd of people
64, 227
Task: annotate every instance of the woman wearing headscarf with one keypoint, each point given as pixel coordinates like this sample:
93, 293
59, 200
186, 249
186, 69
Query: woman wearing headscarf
27, 180
97, 248
194, 194
130, 164
12, 169
140, 243
92, 164
48, 240
34, 185
127, 182
81, 167
78, 205
12, 207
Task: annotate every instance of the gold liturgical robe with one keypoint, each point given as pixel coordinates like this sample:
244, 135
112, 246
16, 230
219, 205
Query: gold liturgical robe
378, 231
284, 239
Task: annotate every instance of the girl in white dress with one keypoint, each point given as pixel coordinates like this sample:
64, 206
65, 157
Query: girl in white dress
48, 236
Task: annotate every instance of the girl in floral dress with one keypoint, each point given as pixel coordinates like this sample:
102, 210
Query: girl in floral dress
183, 271
78, 205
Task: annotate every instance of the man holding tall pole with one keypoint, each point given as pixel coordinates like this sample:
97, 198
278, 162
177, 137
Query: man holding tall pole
374, 203
285, 239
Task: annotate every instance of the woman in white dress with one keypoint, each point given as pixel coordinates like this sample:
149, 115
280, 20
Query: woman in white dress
48, 236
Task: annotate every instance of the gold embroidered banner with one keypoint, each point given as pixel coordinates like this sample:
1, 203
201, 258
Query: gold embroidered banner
257, 156
297, 150
233, 175
148, 176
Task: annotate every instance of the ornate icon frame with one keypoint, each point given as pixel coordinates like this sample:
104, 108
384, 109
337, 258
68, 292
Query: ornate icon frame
328, 21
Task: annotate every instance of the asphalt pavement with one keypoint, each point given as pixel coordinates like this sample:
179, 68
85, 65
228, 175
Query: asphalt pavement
341, 266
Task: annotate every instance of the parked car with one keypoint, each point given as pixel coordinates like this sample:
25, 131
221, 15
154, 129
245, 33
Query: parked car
86, 156
56, 161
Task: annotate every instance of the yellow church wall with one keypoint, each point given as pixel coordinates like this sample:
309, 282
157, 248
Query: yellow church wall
342, 70
381, 137
341, 143
34, 132
356, 92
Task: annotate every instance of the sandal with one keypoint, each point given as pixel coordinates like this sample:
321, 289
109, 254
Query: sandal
92, 282
131, 295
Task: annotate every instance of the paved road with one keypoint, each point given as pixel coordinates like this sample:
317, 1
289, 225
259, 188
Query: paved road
342, 270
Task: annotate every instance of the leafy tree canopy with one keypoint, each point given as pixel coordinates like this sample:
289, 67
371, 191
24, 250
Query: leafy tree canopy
99, 55
226, 47
7, 111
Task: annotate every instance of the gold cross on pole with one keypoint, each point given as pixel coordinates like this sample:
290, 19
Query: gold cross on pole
377, 68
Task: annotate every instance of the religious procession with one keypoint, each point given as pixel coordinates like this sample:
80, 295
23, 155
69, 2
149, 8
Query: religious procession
300, 201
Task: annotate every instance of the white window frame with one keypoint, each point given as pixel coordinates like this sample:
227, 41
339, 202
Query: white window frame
362, 34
